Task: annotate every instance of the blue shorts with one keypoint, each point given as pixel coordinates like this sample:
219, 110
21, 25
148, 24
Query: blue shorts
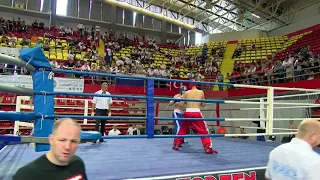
261, 138
177, 124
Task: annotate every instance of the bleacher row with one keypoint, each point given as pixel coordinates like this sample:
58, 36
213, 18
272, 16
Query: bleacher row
75, 105
311, 38
281, 46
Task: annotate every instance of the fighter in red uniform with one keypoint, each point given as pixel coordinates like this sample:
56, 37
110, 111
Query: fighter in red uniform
193, 111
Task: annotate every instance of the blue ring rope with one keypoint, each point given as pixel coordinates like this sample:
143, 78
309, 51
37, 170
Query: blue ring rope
189, 119
132, 97
17, 116
33, 116
17, 139
138, 77
88, 94
161, 136
96, 117
190, 100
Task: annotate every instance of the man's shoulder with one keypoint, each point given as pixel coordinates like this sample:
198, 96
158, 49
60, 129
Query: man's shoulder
30, 169
280, 148
98, 92
77, 160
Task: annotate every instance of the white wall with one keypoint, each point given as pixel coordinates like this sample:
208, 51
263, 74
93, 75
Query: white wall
302, 19
231, 36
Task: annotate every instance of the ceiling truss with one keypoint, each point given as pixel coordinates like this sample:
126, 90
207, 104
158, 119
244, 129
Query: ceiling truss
234, 15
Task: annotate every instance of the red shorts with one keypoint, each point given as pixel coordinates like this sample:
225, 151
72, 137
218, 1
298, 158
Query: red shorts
200, 126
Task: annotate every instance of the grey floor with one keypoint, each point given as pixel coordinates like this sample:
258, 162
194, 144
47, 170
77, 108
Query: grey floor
133, 158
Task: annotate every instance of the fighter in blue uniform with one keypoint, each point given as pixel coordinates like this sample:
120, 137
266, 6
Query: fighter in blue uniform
178, 110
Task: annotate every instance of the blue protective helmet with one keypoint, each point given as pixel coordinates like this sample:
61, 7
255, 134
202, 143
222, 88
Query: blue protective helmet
182, 88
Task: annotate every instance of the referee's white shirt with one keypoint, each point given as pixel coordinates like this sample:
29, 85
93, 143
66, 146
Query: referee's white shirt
293, 161
102, 102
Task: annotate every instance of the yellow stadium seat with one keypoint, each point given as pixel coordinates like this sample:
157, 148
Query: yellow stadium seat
52, 56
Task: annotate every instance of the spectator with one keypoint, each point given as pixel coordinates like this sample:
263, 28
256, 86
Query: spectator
131, 130
242, 132
114, 131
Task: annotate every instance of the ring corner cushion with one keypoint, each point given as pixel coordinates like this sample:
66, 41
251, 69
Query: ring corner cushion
90, 135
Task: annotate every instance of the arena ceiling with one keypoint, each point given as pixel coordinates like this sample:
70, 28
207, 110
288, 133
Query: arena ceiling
235, 15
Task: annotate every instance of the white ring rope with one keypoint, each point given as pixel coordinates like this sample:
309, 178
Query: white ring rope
284, 96
284, 129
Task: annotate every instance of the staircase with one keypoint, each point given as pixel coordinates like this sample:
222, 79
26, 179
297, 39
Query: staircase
227, 62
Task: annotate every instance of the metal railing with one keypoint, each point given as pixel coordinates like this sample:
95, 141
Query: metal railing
275, 78
252, 79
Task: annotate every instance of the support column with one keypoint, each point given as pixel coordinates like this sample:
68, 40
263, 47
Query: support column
113, 17
150, 109
269, 124
53, 12
163, 32
43, 105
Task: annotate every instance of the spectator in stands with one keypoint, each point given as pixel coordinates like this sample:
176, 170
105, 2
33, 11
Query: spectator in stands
311, 76
34, 38
287, 64
35, 24
253, 46
242, 132
4, 39
39, 44
204, 54
220, 79
131, 129
46, 46
13, 41
2, 31
25, 41
54, 63
23, 27
86, 67
114, 131
41, 25
68, 31
298, 67
61, 27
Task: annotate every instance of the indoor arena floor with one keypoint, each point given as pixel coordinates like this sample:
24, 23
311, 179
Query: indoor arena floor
137, 158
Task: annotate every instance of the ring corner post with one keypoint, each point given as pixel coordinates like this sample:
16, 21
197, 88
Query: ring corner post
43, 105
270, 98
150, 108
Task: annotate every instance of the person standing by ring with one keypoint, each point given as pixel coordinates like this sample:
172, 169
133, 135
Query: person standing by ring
101, 106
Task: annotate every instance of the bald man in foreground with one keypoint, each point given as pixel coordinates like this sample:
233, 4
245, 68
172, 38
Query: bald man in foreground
60, 161
193, 111
297, 160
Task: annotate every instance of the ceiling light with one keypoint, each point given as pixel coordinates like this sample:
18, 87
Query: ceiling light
255, 15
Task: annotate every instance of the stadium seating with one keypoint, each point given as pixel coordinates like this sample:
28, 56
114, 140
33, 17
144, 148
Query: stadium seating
66, 106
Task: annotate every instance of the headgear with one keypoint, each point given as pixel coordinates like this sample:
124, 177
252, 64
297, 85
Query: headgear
182, 88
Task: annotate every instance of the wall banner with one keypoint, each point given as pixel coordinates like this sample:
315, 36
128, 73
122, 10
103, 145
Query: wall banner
60, 84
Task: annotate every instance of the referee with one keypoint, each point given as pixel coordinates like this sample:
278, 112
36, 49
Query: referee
101, 107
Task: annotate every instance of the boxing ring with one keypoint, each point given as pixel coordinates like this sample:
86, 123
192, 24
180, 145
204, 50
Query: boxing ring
146, 156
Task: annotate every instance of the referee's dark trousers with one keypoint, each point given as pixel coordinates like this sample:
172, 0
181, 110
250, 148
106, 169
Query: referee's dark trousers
101, 112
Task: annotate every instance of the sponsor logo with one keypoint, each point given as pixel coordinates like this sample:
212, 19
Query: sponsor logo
77, 177
251, 175
54, 83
